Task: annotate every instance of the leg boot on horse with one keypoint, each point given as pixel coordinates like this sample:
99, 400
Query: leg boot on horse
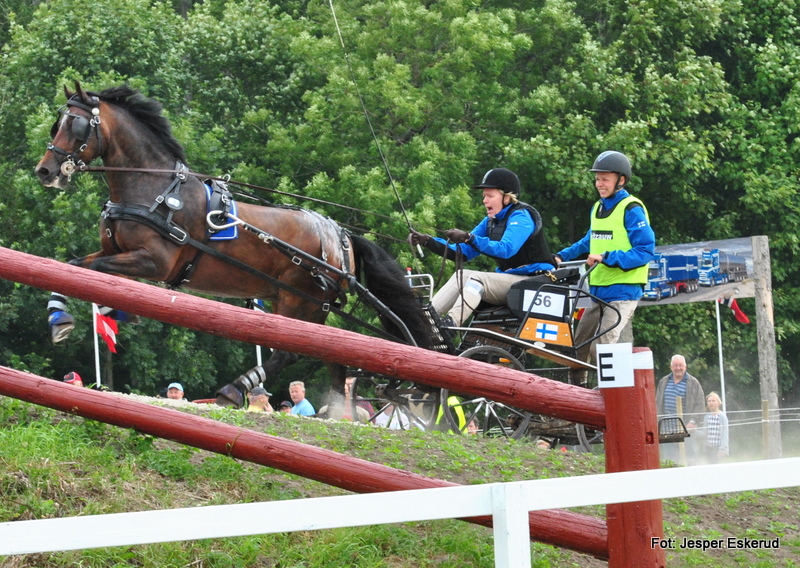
61, 322
234, 394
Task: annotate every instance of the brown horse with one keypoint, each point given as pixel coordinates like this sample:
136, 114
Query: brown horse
156, 227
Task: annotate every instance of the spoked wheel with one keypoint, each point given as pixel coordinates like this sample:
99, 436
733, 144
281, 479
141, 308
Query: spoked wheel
590, 440
395, 403
467, 414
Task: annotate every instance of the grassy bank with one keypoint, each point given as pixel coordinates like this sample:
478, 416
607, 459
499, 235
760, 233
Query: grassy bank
55, 465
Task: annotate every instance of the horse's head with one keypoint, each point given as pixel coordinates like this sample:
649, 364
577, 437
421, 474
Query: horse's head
76, 138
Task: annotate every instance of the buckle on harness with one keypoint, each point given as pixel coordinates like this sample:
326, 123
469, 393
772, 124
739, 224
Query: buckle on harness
177, 234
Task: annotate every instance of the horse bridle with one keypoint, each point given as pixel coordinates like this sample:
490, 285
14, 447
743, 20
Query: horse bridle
82, 129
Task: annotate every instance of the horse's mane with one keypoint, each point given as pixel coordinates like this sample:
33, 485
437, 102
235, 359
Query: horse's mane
148, 112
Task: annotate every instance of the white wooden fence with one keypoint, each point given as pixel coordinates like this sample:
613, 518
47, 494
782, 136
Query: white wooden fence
509, 504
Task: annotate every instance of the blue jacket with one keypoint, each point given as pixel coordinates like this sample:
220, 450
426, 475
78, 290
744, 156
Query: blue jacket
643, 242
519, 228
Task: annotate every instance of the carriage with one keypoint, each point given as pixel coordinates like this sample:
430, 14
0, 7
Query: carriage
164, 223
533, 332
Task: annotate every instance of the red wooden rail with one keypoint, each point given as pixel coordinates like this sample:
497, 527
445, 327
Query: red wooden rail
631, 444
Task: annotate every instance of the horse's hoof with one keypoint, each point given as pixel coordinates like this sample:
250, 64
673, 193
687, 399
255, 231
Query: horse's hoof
229, 395
61, 325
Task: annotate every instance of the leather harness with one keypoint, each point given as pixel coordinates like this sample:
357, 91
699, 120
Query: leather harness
161, 221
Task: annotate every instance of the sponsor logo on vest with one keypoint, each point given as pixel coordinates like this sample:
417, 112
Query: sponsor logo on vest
602, 235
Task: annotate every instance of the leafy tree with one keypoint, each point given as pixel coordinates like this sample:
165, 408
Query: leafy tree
701, 95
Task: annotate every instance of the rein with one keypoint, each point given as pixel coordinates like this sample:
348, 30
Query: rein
226, 179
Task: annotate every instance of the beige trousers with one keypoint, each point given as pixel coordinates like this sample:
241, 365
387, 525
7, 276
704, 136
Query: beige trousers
459, 297
595, 318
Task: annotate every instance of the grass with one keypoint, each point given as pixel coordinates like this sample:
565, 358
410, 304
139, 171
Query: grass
55, 465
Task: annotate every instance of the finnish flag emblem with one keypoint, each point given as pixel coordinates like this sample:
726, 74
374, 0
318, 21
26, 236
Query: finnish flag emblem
546, 331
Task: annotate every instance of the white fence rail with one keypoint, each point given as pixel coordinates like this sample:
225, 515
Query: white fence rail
509, 504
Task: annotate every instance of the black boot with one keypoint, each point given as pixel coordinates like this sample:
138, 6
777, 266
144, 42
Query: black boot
234, 394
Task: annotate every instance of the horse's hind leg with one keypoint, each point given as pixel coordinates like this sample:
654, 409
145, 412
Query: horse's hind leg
233, 394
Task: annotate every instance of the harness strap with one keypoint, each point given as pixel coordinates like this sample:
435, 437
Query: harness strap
169, 230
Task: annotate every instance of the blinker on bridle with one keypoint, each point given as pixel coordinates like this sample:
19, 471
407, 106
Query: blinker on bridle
81, 128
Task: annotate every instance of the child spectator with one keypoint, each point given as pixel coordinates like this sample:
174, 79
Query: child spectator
716, 429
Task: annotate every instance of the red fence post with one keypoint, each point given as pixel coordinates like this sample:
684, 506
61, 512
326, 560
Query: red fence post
631, 444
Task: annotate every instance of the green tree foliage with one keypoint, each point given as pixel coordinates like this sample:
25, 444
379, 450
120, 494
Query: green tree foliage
701, 95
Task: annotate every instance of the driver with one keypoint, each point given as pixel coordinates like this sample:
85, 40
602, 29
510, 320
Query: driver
511, 234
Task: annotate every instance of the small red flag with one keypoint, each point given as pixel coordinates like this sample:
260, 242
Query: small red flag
740, 316
107, 328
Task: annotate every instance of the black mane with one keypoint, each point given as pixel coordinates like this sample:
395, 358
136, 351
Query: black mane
148, 112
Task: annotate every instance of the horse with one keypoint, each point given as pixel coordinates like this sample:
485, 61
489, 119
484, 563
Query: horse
157, 226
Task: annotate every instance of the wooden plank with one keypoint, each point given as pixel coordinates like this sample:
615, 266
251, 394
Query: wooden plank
767, 352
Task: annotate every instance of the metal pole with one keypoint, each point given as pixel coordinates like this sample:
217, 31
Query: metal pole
95, 311
721, 365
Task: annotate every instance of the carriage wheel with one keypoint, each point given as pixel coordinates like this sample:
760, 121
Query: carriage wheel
404, 404
590, 440
491, 418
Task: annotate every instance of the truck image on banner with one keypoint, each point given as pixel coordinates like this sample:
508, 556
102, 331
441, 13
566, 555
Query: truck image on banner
700, 271
720, 267
671, 274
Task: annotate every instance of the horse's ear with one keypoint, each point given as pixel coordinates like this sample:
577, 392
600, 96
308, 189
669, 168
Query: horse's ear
81, 93
67, 93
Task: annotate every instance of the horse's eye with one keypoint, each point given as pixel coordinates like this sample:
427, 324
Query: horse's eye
54, 129
80, 128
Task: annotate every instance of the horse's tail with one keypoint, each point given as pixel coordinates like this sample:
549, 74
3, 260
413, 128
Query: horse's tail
384, 277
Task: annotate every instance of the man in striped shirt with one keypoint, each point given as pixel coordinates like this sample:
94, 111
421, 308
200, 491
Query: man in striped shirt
681, 384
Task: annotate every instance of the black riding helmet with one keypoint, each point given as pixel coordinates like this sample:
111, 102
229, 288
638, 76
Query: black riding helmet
615, 162
502, 179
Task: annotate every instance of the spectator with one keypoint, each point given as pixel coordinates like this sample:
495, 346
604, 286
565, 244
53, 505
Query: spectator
680, 384
620, 244
258, 400
392, 418
715, 425
74, 379
348, 408
349, 382
472, 427
175, 391
285, 407
511, 234
302, 407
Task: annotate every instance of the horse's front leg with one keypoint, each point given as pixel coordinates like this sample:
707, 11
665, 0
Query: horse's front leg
59, 320
135, 264
86, 261
139, 263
